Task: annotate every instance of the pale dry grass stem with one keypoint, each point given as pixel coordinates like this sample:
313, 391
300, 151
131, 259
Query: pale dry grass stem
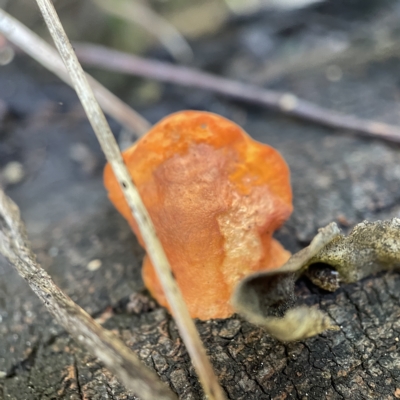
153, 245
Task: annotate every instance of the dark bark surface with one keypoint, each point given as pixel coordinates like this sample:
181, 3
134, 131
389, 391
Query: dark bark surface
335, 177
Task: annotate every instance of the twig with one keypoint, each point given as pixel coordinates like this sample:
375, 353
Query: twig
154, 248
46, 55
100, 342
283, 102
166, 33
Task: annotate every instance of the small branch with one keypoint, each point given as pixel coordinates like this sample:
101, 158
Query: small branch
103, 344
286, 103
46, 55
153, 245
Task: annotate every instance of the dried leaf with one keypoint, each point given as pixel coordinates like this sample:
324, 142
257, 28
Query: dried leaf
267, 298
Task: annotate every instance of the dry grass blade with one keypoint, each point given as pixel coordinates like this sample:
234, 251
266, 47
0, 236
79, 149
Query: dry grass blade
100, 342
252, 6
167, 34
46, 55
282, 102
154, 248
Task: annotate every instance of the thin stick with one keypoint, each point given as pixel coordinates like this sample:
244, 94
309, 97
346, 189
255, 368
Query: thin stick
46, 55
102, 343
166, 33
283, 102
154, 248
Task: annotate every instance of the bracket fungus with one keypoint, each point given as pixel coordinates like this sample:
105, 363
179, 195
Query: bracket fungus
215, 196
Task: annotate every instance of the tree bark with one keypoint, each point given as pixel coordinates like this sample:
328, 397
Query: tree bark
70, 222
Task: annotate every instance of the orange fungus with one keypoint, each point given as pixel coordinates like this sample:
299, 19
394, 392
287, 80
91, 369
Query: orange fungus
215, 197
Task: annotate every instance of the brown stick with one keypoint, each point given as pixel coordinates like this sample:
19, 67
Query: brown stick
286, 103
102, 343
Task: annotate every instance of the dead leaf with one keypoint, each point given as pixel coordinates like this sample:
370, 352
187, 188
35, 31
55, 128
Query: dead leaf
267, 298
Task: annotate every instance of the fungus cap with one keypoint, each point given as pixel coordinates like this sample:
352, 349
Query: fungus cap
215, 197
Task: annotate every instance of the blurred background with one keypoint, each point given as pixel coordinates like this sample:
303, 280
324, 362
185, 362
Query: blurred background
258, 41
339, 54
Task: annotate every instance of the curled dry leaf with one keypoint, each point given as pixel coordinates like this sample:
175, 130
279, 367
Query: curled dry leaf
267, 298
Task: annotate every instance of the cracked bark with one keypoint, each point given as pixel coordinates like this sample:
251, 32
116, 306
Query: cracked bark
361, 361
